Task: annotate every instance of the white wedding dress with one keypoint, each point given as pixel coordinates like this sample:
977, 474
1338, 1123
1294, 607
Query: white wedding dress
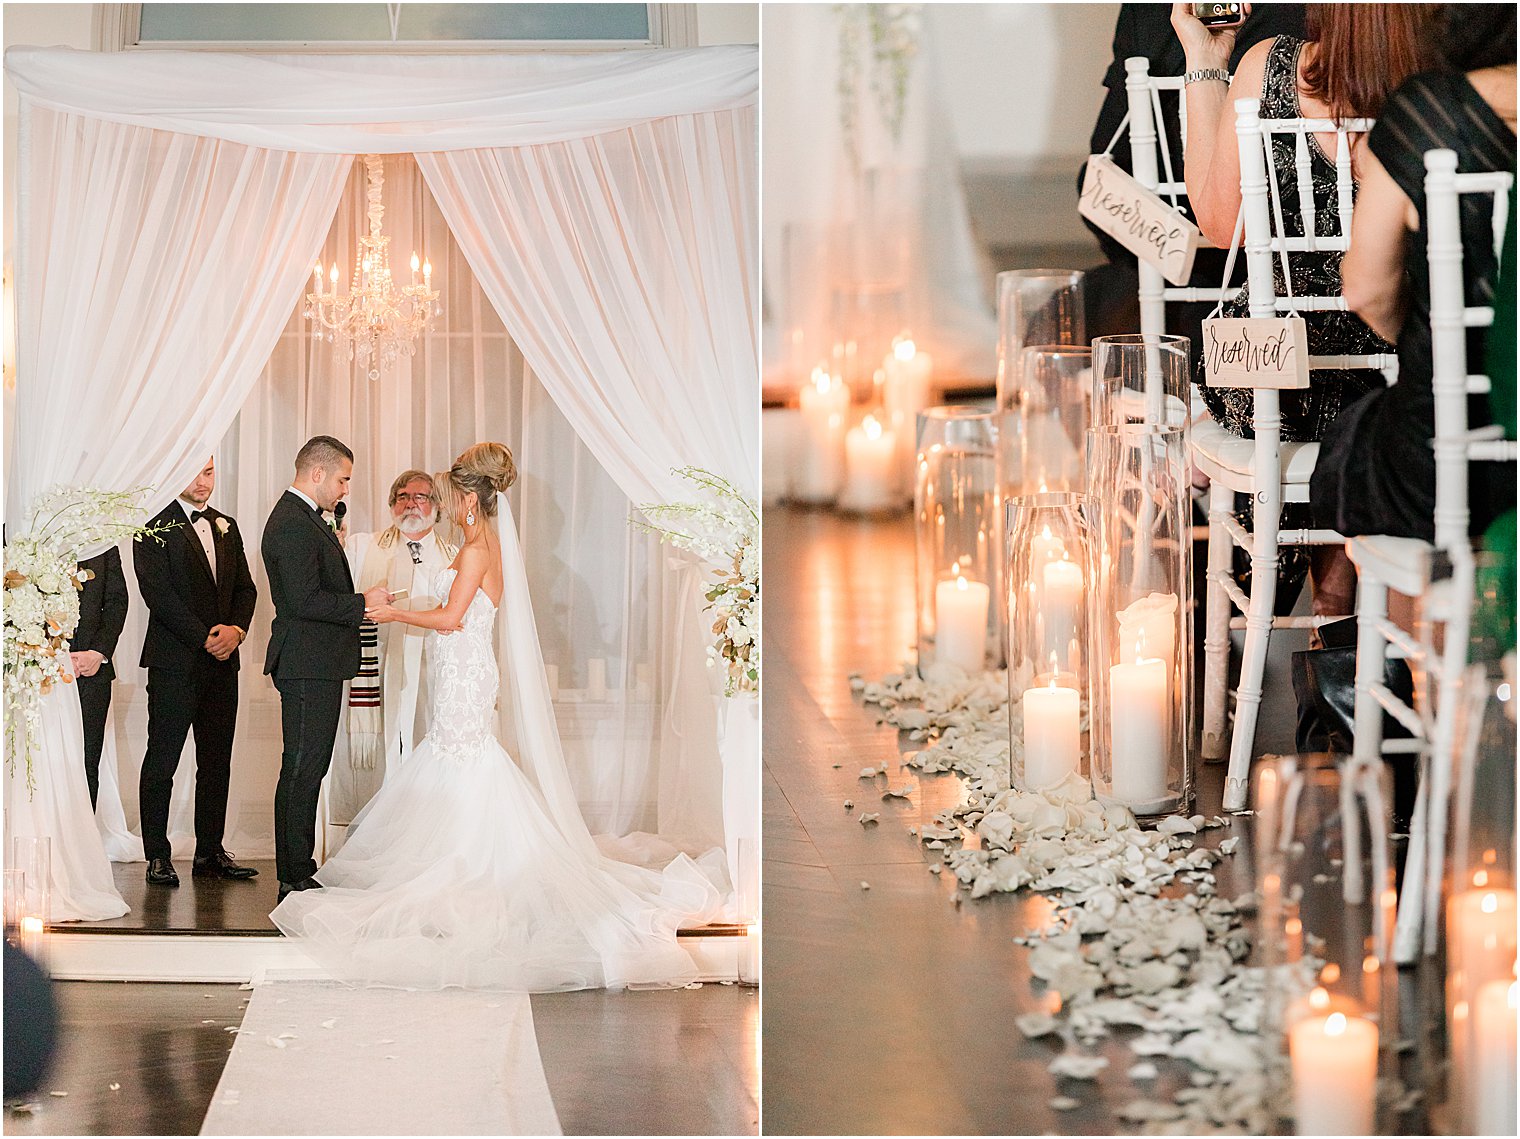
458, 872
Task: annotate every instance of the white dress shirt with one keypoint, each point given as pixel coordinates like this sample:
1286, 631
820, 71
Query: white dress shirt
202, 528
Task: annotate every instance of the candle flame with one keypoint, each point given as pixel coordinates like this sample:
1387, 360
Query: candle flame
333, 275
416, 263
871, 427
1480, 878
1370, 964
1330, 974
821, 380
1293, 927
1490, 857
904, 349
1459, 1011
960, 583
1489, 904
427, 268
317, 269
1319, 998
31, 925
1335, 1024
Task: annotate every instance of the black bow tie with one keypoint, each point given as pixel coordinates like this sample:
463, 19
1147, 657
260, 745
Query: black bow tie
416, 548
197, 515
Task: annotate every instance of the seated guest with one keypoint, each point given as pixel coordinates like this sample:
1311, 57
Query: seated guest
102, 614
1376, 473
1354, 56
1112, 289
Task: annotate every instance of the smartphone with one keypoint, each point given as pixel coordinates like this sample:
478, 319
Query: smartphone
1220, 15
400, 594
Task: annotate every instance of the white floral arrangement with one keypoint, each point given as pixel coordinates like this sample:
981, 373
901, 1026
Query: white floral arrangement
42, 584
724, 529
887, 37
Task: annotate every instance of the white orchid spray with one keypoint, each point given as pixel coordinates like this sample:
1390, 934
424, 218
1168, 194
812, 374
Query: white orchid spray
885, 38
42, 584
723, 528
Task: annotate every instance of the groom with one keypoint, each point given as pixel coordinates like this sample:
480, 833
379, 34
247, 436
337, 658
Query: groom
313, 644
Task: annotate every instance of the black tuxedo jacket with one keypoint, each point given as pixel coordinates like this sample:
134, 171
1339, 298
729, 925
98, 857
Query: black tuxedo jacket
102, 609
315, 635
184, 599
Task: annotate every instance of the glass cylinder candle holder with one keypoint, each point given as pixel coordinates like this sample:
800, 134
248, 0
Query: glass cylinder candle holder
1141, 639
1048, 563
1480, 919
819, 452
866, 316
957, 503
1140, 378
1035, 306
15, 904
33, 856
1054, 416
1329, 1022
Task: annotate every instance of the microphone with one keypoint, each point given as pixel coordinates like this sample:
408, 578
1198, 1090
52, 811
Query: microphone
338, 512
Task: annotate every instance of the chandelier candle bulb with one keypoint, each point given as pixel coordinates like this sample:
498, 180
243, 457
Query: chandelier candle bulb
825, 403
1492, 1088
960, 623
871, 480
1052, 734
1334, 1060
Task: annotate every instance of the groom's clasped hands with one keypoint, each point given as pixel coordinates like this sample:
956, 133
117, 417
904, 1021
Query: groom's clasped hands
378, 608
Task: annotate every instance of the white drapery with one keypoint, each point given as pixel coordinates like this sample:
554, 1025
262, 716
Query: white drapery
895, 212
186, 392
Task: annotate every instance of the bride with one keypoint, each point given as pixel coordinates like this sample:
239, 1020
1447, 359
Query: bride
466, 869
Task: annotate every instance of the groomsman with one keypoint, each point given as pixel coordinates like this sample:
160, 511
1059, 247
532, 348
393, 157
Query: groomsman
200, 599
313, 644
102, 613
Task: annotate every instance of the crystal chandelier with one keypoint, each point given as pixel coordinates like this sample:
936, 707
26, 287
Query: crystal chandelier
375, 319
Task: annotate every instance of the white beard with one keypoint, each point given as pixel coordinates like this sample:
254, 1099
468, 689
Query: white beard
412, 527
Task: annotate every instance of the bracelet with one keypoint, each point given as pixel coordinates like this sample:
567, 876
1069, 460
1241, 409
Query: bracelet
1203, 73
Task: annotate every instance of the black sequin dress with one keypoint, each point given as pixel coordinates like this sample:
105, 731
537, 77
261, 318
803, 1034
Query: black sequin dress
1306, 414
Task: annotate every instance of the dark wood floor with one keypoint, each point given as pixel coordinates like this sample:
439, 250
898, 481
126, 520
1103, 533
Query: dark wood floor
196, 905
681, 1062
889, 1010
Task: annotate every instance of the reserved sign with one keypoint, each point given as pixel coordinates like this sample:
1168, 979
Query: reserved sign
1256, 352
1138, 218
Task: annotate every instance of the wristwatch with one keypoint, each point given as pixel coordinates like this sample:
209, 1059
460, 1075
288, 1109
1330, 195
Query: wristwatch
1203, 73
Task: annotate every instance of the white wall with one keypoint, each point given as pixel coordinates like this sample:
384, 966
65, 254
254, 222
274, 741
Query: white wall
728, 24
1023, 82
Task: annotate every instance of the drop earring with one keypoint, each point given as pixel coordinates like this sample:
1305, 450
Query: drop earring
470, 518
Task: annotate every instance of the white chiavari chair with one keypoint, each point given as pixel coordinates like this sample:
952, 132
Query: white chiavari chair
1407, 564
1270, 471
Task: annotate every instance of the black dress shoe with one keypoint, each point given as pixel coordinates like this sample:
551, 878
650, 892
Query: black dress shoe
161, 872
219, 865
295, 887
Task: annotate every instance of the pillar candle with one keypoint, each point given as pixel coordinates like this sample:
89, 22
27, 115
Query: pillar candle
596, 678
1480, 947
1141, 738
1060, 604
960, 622
1052, 735
1334, 1062
1492, 1085
1148, 627
907, 376
872, 477
820, 469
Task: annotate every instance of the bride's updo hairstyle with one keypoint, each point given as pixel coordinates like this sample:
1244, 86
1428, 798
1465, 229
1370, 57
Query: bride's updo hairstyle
484, 468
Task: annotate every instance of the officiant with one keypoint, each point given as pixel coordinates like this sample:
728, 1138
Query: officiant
386, 714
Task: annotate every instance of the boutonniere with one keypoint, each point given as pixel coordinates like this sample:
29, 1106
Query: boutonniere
222, 525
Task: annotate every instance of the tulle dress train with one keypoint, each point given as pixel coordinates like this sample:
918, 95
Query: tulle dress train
456, 874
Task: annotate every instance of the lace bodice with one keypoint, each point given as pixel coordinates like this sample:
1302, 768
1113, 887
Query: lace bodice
462, 679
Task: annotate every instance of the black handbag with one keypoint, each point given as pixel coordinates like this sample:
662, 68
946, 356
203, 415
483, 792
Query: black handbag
1324, 684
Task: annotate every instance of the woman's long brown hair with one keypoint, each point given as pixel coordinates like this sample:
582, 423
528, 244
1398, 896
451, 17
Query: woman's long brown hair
1364, 51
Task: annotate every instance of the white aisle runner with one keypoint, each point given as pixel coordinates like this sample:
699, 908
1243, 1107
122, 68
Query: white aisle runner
319, 1058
